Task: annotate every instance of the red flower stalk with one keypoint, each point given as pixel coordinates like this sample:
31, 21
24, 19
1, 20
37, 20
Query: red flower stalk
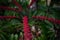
31, 3
27, 30
46, 18
7, 17
18, 5
8, 8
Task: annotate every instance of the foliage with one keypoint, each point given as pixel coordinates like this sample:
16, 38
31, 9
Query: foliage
12, 29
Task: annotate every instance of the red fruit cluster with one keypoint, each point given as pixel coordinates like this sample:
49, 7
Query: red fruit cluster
27, 30
46, 18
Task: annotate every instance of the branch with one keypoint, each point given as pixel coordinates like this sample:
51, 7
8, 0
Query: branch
46, 18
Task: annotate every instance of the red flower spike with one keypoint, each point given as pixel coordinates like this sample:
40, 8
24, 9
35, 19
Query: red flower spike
58, 21
40, 17
7, 17
27, 30
18, 5
49, 19
8, 8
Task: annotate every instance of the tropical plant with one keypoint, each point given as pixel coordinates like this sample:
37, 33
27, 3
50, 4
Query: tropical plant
28, 20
